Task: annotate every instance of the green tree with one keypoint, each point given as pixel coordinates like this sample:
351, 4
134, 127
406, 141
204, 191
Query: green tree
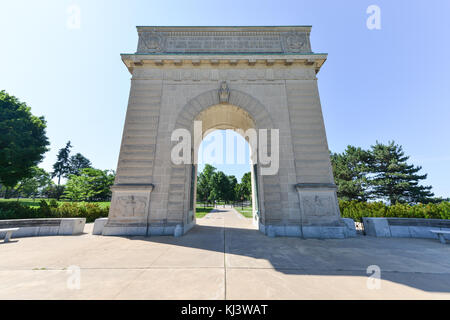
23, 140
350, 170
77, 188
33, 186
231, 196
204, 182
91, 184
246, 183
77, 163
393, 178
61, 168
220, 186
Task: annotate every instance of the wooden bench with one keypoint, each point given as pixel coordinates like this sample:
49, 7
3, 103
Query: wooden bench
8, 234
440, 234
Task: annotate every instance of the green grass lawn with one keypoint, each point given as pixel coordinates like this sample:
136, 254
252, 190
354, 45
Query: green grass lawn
202, 211
246, 212
35, 202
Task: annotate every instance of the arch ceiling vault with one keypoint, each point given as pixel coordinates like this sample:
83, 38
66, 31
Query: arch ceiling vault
228, 77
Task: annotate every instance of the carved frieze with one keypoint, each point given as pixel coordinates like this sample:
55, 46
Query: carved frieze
154, 41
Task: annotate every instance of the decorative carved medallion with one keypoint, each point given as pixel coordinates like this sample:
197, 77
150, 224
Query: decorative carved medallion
224, 92
295, 42
153, 41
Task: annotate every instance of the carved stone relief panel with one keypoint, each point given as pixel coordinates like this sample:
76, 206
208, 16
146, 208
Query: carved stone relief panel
129, 205
318, 204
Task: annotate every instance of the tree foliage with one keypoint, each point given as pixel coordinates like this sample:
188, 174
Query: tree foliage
90, 185
381, 173
215, 185
61, 168
77, 163
393, 178
350, 173
23, 140
31, 187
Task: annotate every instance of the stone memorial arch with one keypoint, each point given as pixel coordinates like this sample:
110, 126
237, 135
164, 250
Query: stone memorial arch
236, 78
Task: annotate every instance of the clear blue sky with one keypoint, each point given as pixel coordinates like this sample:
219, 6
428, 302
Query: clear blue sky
383, 84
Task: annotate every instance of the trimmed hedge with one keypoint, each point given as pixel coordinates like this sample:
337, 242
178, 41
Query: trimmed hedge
349, 209
88, 210
356, 210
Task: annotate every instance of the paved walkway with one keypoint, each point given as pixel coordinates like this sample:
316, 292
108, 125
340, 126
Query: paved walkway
223, 257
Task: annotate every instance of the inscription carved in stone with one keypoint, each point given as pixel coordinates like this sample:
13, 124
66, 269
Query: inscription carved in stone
206, 42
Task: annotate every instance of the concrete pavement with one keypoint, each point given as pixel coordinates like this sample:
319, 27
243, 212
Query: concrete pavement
223, 257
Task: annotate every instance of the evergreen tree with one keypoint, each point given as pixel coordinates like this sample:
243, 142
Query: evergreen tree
393, 178
350, 170
77, 163
61, 168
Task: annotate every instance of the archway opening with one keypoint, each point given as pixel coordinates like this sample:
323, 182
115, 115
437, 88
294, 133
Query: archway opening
226, 174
